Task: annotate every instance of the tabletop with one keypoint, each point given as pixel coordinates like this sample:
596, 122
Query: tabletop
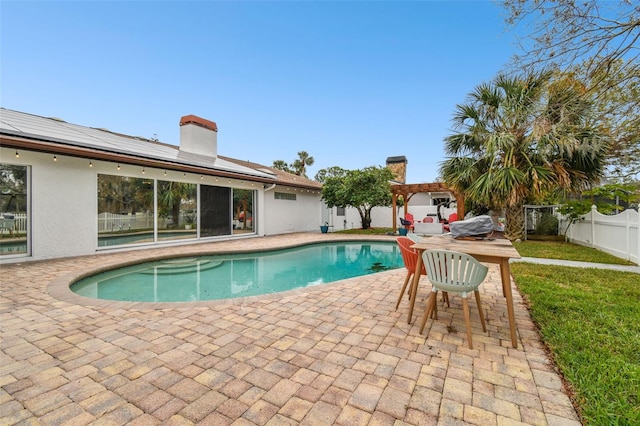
498, 247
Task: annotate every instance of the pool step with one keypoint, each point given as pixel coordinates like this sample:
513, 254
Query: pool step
181, 266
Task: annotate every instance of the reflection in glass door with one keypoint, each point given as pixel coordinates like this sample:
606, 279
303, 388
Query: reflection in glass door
14, 210
177, 210
243, 218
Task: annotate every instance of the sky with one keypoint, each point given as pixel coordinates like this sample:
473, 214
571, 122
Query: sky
349, 82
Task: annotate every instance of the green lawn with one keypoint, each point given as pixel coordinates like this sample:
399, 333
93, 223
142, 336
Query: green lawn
370, 231
567, 251
590, 320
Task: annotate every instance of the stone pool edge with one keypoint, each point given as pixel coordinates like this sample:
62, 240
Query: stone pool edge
59, 288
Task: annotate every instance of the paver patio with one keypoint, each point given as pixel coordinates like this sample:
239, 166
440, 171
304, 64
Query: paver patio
331, 354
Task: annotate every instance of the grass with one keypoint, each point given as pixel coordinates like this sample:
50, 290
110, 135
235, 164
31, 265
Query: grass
567, 251
590, 321
370, 231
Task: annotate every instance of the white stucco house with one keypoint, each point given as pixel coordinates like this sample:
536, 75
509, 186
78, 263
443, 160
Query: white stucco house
70, 190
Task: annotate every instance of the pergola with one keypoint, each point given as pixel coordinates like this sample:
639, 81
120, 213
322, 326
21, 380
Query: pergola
409, 190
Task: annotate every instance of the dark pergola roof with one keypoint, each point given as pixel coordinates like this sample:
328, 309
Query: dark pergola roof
409, 190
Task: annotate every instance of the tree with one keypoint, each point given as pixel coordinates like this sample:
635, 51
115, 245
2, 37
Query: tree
618, 112
566, 32
606, 198
601, 42
13, 193
323, 174
573, 212
360, 189
171, 196
300, 165
520, 136
282, 165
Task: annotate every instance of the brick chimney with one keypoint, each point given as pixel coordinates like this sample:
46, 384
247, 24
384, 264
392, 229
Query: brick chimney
398, 165
198, 136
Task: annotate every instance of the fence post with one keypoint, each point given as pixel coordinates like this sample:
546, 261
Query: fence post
628, 234
637, 240
594, 209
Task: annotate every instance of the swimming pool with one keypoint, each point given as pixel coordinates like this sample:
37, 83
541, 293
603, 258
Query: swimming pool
218, 277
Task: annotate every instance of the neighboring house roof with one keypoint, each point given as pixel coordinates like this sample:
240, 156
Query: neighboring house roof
284, 178
52, 135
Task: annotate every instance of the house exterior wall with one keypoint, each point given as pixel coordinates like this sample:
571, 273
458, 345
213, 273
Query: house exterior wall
63, 206
287, 216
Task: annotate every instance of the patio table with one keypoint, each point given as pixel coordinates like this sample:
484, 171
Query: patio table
497, 251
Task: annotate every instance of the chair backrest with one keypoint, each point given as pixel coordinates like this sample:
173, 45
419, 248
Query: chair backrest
409, 217
453, 217
404, 222
409, 255
453, 271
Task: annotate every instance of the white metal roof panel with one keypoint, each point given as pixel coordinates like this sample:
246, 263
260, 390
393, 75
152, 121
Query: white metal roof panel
50, 129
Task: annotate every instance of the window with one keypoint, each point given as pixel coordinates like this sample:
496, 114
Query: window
125, 210
243, 211
14, 210
177, 210
284, 196
340, 211
135, 210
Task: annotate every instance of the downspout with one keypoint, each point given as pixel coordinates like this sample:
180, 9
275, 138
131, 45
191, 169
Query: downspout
267, 189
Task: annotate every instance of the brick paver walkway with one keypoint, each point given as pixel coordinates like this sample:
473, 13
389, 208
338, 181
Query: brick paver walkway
332, 354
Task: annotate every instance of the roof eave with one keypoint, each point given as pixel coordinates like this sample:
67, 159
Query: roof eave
32, 143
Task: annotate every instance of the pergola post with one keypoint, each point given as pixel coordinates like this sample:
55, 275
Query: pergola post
394, 199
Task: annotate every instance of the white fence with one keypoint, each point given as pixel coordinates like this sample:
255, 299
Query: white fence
382, 217
111, 222
617, 234
16, 223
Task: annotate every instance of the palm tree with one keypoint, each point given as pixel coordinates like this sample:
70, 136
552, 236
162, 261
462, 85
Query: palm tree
282, 165
519, 137
300, 165
171, 196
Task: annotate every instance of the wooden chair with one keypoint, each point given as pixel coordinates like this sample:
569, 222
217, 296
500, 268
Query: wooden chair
410, 258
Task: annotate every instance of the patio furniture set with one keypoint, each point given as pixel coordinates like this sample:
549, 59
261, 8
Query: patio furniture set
456, 266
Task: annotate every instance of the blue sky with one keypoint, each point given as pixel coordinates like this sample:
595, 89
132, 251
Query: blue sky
351, 83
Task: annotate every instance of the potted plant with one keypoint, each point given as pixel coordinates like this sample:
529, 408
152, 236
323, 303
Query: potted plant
189, 220
324, 228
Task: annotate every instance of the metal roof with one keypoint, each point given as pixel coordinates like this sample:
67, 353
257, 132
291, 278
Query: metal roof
15, 123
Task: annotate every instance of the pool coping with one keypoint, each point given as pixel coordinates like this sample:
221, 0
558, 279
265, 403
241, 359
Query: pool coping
59, 288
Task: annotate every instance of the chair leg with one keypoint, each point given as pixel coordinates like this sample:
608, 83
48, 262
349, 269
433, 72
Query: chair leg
404, 286
484, 327
467, 320
445, 298
434, 311
430, 305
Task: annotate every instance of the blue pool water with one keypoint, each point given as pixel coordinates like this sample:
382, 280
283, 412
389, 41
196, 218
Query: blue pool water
240, 275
